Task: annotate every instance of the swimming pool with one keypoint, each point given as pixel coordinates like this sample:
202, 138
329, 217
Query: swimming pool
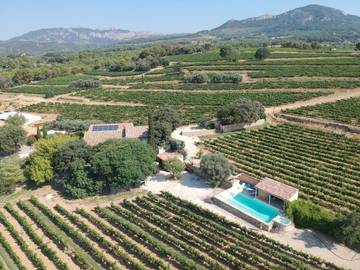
253, 207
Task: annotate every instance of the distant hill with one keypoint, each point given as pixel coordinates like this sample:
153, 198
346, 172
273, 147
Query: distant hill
69, 39
313, 22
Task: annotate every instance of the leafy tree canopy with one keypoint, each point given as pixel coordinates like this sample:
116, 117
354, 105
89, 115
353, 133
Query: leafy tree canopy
230, 53
216, 168
39, 165
348, 230
162, 122
11, 138
262, 53
242, 111
123, 163
10, 174
175, 167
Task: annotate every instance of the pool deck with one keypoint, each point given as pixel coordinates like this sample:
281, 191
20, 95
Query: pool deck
198, 192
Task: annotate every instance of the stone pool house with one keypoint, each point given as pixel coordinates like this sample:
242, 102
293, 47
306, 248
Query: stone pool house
99, 133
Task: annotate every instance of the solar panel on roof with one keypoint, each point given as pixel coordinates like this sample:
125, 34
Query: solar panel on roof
105, 128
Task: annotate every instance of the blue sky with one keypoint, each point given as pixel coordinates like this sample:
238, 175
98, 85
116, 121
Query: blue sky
165, 16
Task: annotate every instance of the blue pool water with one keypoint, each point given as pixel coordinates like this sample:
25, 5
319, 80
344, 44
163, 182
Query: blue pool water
254, 207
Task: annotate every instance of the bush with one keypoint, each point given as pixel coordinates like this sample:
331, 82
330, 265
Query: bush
49, 94
11, 138
175, 167
10, 174
262, 53
226, 78
307, 215
17, 120
229, 53
197, 78
85, 84
176, 145
216, 168
348, 229
243, 111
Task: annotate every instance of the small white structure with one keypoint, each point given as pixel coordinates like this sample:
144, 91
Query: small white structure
29, 118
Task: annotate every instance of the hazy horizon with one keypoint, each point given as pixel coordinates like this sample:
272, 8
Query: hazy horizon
161, 16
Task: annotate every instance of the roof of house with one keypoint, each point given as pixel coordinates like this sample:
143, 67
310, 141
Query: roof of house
168, 155
247, 179
277, 189
137, 132
99, 133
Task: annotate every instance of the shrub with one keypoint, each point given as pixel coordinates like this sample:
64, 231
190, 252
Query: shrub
229, 53
11, 138
348, 229
197, 78
262, 53
85, 84
176, 145
226, 78
310, 216
73, 125
17, 120
175, 167
10, 174
49, 94
242, 111
216, 168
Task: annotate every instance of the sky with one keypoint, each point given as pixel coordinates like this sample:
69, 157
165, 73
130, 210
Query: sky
163, 16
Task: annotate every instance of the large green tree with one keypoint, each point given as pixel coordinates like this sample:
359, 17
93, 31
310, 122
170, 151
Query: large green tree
162, 122
123, 163
262, 53
216, 168
348, 229
243, 111
69, 153
11, 138
10, 175
77, 183
175, 167
39, 165
230, 53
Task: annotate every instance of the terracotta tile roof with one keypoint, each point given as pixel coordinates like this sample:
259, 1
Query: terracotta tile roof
167, 155
277, 189
136, 132
124, 130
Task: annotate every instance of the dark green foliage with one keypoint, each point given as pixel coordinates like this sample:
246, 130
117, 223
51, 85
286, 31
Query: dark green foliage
11, 138
243, 111
348, 229
123, 163
216, 168
69, 153
17, 120
162, 122
262, 53
230, 53
226, 78
77, 184
11, 174
310, 216
85, 84
176, 145
357, 46
196, 78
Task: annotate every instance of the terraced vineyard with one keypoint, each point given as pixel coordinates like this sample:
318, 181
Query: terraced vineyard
151, 232
324, 166
198, 98
344, 111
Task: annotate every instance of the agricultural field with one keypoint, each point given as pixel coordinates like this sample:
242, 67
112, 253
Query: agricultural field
149, 232
114, 114
196, 98
42, 90
324, 166
343, 111
64, 80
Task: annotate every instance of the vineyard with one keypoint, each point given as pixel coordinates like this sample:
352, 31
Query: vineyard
344, 111
324, 166
198, 98
150, 232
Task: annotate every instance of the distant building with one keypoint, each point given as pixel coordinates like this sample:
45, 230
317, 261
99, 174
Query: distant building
99, 133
